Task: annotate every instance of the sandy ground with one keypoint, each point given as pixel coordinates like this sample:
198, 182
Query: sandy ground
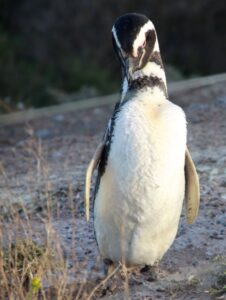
42, 168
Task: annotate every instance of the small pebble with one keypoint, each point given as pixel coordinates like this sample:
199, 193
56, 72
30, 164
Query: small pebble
43, 133
58, 118
209, 253
221, 101
222, 220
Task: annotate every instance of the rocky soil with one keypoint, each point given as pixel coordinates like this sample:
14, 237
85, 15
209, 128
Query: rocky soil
42, 167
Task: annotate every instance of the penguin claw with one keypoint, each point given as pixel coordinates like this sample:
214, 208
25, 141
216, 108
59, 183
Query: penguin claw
151, 272
108, 266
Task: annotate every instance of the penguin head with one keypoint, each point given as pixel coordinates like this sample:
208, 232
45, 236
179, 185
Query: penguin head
134, 40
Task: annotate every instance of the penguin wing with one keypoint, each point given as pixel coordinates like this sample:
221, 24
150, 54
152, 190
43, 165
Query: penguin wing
89, 172
192, 190
99, 158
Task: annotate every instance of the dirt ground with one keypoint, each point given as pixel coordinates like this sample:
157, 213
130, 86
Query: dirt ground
42, 167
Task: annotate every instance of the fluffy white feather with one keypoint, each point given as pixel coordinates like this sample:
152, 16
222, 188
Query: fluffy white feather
151, 69
125, 87
139, 201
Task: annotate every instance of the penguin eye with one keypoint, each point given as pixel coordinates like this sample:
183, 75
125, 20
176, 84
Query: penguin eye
141, 47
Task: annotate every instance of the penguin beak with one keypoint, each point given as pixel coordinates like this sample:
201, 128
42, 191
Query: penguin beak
131, 65
128, 69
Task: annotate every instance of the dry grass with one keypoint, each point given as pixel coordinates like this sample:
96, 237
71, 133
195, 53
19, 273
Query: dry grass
37, 270
30, 267
218, 288
33, 260
33, 264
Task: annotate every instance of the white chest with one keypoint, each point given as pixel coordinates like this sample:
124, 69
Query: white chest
141, 192
148, 145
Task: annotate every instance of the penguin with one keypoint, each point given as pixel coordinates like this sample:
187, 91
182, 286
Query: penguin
144, 168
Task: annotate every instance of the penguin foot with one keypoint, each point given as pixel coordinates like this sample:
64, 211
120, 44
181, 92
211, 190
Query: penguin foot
150, 272
109, 266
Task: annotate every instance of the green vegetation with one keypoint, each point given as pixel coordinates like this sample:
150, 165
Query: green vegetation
24, 256
22, 81
219, 287
23, 260
25, 82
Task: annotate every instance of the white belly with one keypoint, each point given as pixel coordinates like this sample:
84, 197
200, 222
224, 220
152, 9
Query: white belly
139, 200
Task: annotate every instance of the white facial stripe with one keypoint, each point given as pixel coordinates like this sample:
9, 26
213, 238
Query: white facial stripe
156, 47
151, 69
120, 50
141, 36
116, 38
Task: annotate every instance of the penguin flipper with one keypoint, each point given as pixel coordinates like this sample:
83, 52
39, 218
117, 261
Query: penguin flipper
89, 171
192, 189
